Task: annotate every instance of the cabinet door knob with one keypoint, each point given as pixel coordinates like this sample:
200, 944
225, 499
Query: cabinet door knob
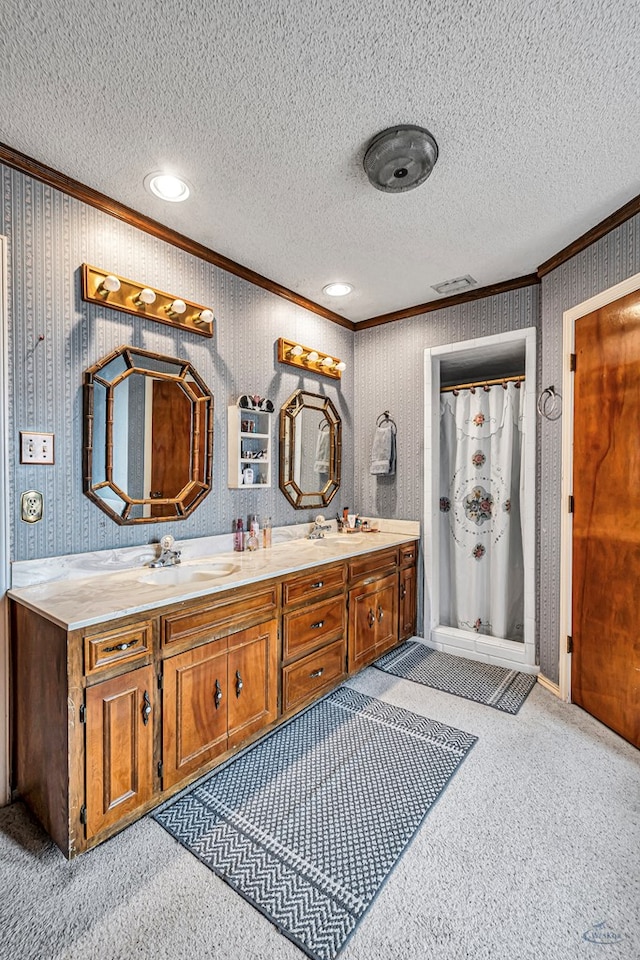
380, 613
403, 591
217, 697
239, 683
146, 708
371, 618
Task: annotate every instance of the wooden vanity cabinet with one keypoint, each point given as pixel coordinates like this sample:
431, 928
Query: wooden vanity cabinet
112, 719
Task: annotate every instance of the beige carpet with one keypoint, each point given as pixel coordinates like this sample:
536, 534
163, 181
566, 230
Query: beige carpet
531, 852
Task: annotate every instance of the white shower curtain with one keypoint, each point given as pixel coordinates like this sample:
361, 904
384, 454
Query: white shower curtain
481, 474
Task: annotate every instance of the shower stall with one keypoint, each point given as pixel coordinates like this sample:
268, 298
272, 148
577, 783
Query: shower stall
479, 499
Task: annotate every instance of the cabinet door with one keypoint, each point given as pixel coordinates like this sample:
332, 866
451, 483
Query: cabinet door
408, 595
386, 612
373, 620
119, 747
253, 688
194, 714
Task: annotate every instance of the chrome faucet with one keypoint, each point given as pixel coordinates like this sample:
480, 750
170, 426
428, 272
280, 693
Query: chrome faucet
168, 557
318, 529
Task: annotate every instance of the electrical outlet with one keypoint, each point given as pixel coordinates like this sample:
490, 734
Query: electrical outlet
31, 506
36, 447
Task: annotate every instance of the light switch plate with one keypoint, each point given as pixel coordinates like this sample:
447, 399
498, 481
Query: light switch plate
36, 447
31, 506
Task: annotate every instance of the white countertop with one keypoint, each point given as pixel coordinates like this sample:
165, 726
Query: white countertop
76, 603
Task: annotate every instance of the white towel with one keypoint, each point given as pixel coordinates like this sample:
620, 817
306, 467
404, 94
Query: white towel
383, 450
321, 464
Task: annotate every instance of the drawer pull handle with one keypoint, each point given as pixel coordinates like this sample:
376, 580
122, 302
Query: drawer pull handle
317, 673
371, 618
146, 708
408, 556
121, 646
217, 697
316, 586
317, 625
380, 613
239, 683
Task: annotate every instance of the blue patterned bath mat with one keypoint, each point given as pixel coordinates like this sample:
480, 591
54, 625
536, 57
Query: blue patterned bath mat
486, 683
308, 823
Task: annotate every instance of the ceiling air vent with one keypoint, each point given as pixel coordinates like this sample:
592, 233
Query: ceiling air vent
459, 285
400, 158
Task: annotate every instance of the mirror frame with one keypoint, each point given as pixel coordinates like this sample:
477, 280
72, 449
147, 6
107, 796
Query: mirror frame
199, 484
289, 413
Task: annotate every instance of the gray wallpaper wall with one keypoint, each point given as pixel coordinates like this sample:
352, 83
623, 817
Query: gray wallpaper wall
49, 236
602, 265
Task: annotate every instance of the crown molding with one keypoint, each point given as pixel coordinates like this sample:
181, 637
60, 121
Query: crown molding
73, 188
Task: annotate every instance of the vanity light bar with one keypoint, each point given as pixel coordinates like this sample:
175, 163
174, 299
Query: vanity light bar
127, 296
305, 358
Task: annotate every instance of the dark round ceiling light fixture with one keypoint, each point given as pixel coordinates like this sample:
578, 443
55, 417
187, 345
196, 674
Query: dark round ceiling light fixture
400, 158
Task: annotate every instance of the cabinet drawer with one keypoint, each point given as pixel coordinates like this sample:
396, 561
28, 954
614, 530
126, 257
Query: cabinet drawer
373, 565
408, 554
307, 678
322, 581
219, 618
118, 646
312, 626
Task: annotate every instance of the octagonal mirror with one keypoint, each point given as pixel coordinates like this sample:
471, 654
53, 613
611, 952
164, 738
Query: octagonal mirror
310, 450
148, 444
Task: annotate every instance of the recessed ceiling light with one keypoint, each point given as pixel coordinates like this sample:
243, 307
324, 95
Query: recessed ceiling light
167, 187
337, 289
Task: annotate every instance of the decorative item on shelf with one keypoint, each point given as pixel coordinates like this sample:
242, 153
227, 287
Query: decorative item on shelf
247, 402
304, 358
128, 296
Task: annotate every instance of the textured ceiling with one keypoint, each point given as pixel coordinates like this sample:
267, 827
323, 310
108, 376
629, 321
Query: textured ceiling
266, 109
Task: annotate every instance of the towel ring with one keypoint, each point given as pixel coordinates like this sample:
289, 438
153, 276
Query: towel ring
549, 404
385, 418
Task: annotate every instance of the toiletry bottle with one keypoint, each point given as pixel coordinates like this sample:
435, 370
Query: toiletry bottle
238, 537
253, 525
266, 532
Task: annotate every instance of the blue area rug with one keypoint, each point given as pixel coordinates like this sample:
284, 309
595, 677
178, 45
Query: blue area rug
308, 823
486, 683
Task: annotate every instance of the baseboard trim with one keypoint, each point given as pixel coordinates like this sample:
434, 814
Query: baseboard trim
549, 685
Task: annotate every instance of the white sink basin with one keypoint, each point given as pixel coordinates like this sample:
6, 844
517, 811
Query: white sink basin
331, 541
177, 575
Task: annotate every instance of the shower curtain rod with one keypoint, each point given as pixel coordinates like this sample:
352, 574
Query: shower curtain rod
482, 383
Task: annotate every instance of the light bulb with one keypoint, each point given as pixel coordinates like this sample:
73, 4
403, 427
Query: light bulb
312, 357
204, 318
327, 362
167, 187
337, 289
110, 284
176, 308
296, 351
341, 366
145, 297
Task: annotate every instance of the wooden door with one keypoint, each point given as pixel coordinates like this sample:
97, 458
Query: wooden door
170, 444
253, 689
194, 710
119, 747
605, 669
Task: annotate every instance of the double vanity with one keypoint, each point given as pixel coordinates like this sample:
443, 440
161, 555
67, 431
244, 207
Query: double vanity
129, 685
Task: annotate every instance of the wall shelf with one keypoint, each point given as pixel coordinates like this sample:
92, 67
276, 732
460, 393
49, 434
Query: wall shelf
249, 447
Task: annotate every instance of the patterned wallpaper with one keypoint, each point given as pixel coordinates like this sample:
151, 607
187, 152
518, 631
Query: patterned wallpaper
605, 263
49, 236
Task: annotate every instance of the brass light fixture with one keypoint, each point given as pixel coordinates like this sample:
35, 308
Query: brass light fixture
128, 296
304, 358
